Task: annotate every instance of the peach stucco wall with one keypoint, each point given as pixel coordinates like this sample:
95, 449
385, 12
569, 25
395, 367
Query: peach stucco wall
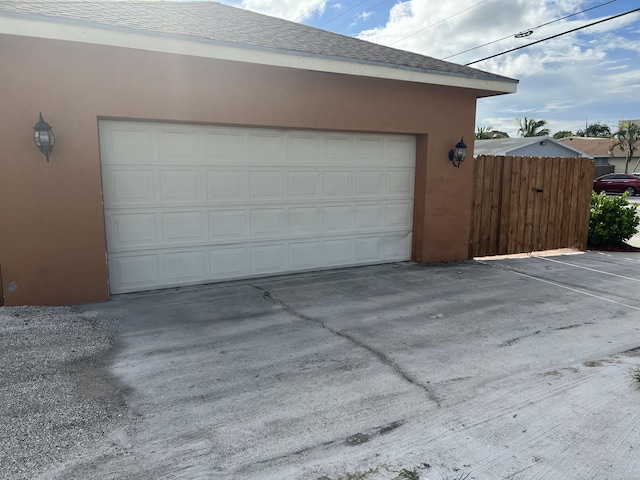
52, 238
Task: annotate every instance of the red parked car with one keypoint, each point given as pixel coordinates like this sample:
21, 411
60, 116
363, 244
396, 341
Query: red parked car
617, 183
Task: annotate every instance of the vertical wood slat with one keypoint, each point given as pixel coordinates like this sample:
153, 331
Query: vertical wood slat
476, 213
505, 205
514, 212
543, 223
525, 203
488, 187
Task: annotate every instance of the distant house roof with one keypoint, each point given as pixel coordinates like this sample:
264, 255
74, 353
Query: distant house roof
596, 147
511, 146
215, 30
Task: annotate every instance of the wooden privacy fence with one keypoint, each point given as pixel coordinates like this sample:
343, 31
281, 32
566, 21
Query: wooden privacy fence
525, 204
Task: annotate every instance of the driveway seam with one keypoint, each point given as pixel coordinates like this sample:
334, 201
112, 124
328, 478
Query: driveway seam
379, 355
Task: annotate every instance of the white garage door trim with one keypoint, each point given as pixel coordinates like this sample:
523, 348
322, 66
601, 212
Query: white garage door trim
191, 204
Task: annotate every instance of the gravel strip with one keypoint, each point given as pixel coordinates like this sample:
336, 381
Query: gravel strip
56, 395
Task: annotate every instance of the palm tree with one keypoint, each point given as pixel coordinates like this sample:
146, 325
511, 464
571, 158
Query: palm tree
532, 128
627, 139
483, 133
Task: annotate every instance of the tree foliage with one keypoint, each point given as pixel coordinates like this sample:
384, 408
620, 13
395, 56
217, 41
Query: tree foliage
597, 130
563, 134
627, 139
485, 133
613, 219
529, 127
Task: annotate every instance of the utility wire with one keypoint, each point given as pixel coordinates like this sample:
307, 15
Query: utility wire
310, 10
554, 36
437, 23
529, 29
338, 16
356, 15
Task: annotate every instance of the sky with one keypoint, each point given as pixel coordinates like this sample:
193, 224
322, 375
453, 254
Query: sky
589, 76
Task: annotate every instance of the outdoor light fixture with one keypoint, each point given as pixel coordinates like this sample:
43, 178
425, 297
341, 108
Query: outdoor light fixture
43, 136
458, 155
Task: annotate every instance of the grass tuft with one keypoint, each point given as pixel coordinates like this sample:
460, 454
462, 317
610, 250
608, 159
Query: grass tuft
635, 376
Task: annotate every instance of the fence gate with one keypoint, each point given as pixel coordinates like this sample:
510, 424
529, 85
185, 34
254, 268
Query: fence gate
525, 204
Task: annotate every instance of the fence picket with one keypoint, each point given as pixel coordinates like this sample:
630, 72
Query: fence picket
529, 203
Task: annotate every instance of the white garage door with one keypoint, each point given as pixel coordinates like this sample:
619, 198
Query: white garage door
194, 204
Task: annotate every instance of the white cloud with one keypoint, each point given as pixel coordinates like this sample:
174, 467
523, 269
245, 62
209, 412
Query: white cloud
288, 9
592, 73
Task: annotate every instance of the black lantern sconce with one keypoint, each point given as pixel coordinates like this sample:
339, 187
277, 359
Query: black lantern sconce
43, 136
458, 155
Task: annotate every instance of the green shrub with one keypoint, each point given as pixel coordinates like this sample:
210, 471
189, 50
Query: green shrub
613, 219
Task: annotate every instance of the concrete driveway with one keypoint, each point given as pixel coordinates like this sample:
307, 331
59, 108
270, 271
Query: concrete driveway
510, 368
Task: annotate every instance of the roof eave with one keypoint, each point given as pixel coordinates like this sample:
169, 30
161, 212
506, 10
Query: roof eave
83, 32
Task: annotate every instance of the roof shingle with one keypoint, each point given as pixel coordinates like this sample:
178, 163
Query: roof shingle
215, 22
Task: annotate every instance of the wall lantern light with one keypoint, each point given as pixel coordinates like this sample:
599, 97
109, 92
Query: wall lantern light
43, 136
458, 155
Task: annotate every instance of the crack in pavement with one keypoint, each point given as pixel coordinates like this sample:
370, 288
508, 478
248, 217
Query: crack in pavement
379, 355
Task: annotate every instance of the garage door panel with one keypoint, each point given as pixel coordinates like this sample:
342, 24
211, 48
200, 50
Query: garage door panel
185, 267
267, 223
303, 149
338, 149
229, 262
132, 230
266, 185
132, 273
129, 187
268, 258
401, 151
182, 227
228, 225
304, 220
122, 143
303, 185
397, 247
192, 204
338, 252
226, 185
369, 217
371, 151
225, 147
181, 145
399, 215
304, 255
369, 249
400, 183
181, 186
338, 218
266, 148
337, 184
369, 183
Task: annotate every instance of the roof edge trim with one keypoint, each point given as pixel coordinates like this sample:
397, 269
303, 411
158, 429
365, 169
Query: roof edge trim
137, 40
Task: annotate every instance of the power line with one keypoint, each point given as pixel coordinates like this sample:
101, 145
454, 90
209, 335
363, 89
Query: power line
310, 10
437, 23
526, 31
356, 15
554, 36
347, 10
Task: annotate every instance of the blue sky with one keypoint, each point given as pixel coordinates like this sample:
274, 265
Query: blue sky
592, 75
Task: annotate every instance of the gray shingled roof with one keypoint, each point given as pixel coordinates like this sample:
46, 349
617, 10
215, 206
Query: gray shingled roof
215, 22
506, 146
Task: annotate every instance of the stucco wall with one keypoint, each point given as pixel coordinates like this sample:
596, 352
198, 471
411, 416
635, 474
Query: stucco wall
52, 239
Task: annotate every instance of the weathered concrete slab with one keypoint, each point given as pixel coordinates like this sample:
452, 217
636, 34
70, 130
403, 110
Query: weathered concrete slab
514, 368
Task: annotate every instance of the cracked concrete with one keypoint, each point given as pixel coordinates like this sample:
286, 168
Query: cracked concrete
376, 353
371, 370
